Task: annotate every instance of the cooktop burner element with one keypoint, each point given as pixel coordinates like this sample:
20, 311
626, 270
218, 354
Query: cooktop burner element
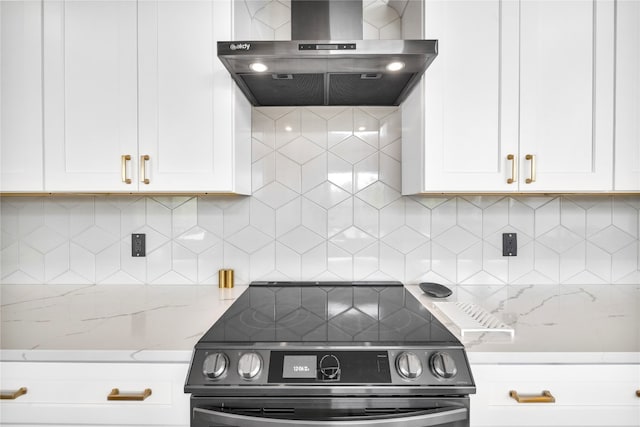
328, 339
323, 312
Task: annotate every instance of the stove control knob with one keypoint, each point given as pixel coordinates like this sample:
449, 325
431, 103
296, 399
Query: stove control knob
249, 365
329, 367
408, 365
215, 365
443, 365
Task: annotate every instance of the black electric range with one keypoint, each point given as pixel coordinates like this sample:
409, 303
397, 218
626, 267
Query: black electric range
334, 353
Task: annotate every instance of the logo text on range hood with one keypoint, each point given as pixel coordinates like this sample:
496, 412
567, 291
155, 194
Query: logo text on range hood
328, 63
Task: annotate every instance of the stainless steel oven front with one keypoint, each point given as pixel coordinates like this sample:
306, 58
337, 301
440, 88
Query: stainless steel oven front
330, 412
329, 354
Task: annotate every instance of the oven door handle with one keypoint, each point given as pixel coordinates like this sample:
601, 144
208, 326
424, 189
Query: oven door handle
206, 417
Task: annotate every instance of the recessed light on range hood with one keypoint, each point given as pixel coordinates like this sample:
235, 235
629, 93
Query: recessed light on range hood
327, 63
258, 67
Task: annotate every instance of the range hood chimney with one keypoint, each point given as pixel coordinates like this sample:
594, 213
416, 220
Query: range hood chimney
327, 62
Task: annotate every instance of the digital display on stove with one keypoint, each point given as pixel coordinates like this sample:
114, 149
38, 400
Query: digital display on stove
299, 366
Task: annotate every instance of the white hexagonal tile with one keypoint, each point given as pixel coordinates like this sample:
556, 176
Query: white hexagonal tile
263, 171
340, 127
379, 14
340, 172
274, 13
366, 261
263, 262
547, 217
392, 262
456, 239
404, 239
560, 239
288, 217
352, 240
184, 217
44, 239
209, 262
263, 129
327, 195
314, 127
301, 150
611, 239
288, 173
95, 239
314, 217
339, 262
158, 217
249, 239
275, 195
314, 261
378, 195
366, 172
287, 128
314, 172
366, 217
288, 262
198, 239
353, 150
366, 127
340, 217
301, 239
390, 172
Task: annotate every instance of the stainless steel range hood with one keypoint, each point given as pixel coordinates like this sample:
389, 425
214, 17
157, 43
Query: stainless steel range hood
327, 63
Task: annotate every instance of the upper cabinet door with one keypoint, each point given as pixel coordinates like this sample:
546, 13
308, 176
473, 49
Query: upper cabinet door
193, 128
627, 162
566, 95
90, 95
471, 95
21, 96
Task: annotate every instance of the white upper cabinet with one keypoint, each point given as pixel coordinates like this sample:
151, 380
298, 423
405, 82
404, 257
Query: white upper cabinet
519, 99
458, 129
90, 93
194, 127
627, 160
137, 101
566, 95
21, 96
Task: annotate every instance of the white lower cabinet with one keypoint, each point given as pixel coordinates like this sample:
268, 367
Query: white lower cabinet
76, 394
583, 395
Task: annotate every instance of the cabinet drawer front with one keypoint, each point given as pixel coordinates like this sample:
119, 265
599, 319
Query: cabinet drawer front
76, 393
587, 395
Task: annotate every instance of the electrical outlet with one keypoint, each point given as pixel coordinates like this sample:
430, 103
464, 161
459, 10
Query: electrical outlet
138, 245
509, 244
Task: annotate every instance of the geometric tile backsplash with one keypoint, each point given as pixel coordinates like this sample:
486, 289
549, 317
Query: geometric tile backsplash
326, 205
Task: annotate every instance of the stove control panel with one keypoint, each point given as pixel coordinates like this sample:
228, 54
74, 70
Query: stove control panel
329, 367
417, 367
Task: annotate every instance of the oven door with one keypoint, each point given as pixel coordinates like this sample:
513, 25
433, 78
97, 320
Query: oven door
330, 412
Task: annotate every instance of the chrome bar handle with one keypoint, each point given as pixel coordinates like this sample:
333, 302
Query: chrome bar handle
514, 171
532, 176
143, 171
123, 164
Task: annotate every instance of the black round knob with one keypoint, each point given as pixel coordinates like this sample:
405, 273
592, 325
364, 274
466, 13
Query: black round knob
408, 365
215, 365
443, 365
329, 367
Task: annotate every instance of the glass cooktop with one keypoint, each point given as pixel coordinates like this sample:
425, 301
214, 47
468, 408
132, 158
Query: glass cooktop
328, 312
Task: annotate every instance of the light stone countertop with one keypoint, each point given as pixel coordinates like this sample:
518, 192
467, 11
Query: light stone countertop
143, 323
